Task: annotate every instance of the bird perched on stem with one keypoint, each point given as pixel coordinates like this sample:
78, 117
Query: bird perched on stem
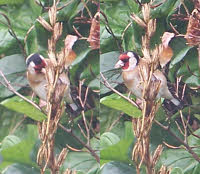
131, 66
36, 70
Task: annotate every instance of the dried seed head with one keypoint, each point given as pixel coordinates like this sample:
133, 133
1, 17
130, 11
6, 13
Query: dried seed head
193, 33
57, 31
139, 21
52, 15
62, 157
151, 27
157, 154
51, 53
45, 24
94, 37
146, 12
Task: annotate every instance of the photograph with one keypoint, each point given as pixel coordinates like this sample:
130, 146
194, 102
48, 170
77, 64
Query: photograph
99, 86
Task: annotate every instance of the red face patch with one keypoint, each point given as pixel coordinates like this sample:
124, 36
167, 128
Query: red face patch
38, 68
125, 59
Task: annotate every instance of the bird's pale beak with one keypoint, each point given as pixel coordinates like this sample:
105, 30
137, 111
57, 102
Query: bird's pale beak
119, 64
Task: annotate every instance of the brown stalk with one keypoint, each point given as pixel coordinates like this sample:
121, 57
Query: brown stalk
142, 126
42, 133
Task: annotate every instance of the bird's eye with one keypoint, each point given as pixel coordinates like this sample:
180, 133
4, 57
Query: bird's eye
125, 60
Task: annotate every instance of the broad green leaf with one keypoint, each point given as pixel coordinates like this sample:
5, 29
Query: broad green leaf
19, 105
91, 66
108, 139
106, 41
8, 121
179, 158
2, 2
10, 141
180, 49
164, 9
128, 131
117, 150
115, 167
116, 102
21, 169
190, 69
107, 63
80, 161
182, 158
108, 60
194, 141
18, 149
18, 153
133, 5
12, 64
82, 52
176, 170
13, 68
107, 118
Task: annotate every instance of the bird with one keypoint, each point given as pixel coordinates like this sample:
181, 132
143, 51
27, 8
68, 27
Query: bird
131, 64
36, 69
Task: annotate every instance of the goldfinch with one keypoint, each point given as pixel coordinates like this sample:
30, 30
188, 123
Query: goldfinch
36, 69
130, 63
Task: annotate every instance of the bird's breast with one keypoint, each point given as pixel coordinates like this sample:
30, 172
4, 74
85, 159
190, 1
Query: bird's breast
133, 82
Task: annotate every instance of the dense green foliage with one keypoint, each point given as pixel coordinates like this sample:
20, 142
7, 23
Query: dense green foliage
19, 138
116, 133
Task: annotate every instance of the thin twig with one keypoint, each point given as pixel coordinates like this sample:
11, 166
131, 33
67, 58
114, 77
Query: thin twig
189, 149
12, 33
109, 29
10, 88
105, 82
81, 142
18, 124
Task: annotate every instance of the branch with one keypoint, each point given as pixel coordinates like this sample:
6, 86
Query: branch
105, 82
12, 33
10, 88
189, 149
109, 29
81, 142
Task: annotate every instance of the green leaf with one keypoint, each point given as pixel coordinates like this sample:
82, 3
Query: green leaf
80, 161
9, 141
12, 64
117, 150
20, 169
133, 5
179, 158
18, 153
164, 9
108, 60
15, 150
19, 105
180, 50
11, 2
115, 167
116, 102
182, 158
13, 68
108, 139
107, 117
176, 170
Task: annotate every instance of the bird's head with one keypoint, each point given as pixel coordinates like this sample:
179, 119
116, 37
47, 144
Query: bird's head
127, 61
35, 63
